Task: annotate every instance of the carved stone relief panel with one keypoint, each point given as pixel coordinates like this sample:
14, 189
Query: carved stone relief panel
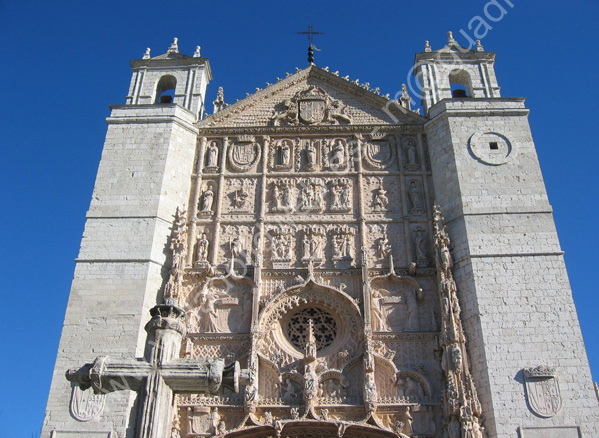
212, 156
384, 240
311, 195
237, 243
239, 196
282, 195
343, 245
244, 154
337, 156
313, 244
379, 153
396, 304
281, 246
230, 347
221, 305
340, 195
382, 195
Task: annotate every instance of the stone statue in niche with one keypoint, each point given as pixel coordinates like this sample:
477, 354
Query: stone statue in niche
311, 156
420, 245
284, 153
340, 194
411, 155
338, 159
212, 156
206, 201
202, 249
282, 195
380, 201
415, 198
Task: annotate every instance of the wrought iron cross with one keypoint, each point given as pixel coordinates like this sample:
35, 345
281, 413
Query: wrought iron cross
310, 32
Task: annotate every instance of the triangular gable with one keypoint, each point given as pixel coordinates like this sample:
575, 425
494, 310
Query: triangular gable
313, 96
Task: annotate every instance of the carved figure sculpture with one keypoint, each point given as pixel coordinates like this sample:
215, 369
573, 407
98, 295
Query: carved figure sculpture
415, 197
412, 318
383, 248
240, 197
207, 199
411, 153
379, 319
202, 249
207, 312
336, 192
212, 155
284, 153
420, 243
380, 199
311, 156
338, 156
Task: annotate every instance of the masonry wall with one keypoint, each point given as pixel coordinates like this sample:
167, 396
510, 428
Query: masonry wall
516, 300
144, 175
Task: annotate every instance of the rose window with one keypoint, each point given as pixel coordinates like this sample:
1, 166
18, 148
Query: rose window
325, 328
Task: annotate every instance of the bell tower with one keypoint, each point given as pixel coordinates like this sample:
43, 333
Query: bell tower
171, 78
144, 175
517, 307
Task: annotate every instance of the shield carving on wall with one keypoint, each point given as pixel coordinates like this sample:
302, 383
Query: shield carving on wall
542, 391
244, 155
312, 110
85, 405
379, 154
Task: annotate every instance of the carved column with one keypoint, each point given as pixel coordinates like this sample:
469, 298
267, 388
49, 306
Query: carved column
165, 331
362, 229
219, 201
194, 199
404, 202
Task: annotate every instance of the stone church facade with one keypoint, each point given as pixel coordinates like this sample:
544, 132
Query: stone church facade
317, 260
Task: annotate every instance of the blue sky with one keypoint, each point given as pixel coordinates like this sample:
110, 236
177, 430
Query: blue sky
64, 62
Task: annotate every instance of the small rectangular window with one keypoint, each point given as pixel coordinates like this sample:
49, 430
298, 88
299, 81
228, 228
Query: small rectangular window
493, 146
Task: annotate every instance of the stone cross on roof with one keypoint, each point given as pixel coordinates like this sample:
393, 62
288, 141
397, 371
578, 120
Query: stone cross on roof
160, 374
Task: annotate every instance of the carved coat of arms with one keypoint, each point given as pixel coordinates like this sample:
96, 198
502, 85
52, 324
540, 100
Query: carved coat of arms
85, 405
312, 110
312, 105
244, 155
542, 391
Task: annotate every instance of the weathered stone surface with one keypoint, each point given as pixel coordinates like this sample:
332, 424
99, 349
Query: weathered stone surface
296, 229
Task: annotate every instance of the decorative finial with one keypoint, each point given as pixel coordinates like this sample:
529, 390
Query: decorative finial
219, 103
450, 41
311, 47
405, 100
479, 46
147, 54
391, 266
174, 48
196, 54
427, 46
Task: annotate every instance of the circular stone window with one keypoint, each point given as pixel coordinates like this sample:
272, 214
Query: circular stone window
491, 148
325, 328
